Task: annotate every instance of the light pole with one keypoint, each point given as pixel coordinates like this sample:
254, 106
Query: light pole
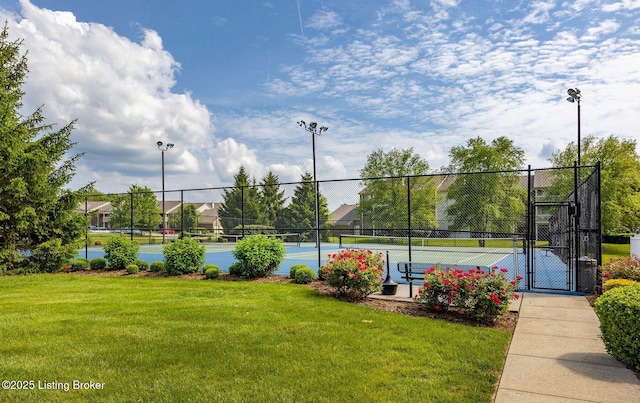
315, 131
574, 96
163, 149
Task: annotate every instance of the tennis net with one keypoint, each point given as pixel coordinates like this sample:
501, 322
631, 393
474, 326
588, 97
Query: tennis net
450, 252
291, 239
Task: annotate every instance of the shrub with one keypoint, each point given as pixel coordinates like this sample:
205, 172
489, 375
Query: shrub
235, 269
79, 264
156, 266
132, 268
622, 267
617, 282
97, 263
119, 252
294, 268
97, 243
485, 295
183, 256
259, 255
354, 273
304, 275
211, 271
619, 313
142, 265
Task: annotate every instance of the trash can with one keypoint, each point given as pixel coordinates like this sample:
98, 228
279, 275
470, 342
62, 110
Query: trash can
587, 271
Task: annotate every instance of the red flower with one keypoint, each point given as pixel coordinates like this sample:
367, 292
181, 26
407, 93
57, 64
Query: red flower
494, 298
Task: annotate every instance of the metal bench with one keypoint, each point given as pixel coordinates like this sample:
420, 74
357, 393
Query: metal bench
415, 271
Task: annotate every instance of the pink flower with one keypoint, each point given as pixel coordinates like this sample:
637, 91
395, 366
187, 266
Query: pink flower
607, 274
504, 270
494, 298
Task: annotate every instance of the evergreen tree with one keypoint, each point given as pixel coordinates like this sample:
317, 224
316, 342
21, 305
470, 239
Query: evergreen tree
300, 214
240, 205
40, 228
272, 201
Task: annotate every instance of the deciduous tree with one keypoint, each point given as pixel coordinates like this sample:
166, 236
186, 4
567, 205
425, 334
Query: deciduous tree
390, 178
486, 202
146, 212
620, 178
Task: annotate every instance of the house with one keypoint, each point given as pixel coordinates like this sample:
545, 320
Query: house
100, 212
345, 220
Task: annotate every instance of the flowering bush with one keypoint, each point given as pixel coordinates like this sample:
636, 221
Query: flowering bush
354, 273
622, 267
485, 295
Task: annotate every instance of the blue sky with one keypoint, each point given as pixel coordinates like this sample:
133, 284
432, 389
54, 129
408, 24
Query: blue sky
227, 81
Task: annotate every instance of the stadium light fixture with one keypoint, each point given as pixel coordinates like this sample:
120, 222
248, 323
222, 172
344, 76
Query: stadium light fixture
166, 147
574, 97
313, 128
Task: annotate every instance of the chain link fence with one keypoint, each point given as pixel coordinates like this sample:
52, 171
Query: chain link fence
538, 208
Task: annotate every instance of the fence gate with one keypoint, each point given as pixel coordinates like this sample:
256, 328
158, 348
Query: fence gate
551, 246
563, 230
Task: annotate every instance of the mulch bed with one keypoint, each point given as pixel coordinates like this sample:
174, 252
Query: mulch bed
506, 322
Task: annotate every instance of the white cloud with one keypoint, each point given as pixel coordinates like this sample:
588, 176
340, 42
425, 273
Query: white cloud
621, 5
120, 92
324, 19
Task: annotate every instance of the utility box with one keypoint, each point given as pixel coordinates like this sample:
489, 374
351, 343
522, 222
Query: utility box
635, 245
587, 272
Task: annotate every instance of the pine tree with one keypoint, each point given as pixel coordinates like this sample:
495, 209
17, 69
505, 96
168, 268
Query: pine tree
241, 205
300, 214
40, 228
272, 201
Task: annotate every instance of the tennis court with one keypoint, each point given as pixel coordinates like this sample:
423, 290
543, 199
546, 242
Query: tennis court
462, 253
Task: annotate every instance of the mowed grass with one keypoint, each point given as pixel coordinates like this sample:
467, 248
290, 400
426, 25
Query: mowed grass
612, 251
159, 339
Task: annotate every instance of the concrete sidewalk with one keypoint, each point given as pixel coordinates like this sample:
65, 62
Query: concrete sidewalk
556, 354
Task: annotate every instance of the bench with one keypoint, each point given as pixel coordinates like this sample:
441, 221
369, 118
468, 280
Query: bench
415, 271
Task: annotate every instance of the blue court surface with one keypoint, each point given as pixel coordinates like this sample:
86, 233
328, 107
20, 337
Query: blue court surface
550, 272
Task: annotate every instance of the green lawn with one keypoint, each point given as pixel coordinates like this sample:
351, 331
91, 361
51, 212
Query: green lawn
611, 250
159, 339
